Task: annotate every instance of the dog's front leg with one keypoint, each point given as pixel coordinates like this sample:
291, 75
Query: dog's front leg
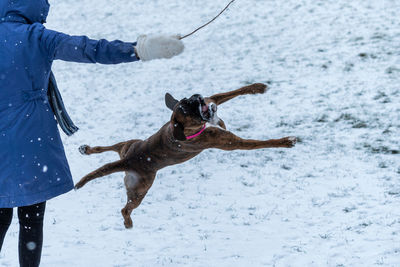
256, 88
225, 140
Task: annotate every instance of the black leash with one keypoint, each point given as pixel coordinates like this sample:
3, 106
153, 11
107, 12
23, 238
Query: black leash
209, 21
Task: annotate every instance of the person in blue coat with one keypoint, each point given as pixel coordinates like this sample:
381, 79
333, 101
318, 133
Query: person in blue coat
33, 165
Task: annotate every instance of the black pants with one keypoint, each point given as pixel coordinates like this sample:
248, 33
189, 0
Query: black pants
30, 232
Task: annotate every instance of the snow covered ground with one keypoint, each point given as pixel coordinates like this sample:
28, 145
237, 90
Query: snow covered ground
333, 68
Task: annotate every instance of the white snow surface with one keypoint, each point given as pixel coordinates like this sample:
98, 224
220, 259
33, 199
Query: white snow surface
333, 68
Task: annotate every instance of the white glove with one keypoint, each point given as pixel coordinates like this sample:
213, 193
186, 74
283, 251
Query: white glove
158, 46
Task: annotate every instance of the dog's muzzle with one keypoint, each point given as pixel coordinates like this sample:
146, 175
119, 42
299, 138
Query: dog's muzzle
207, 111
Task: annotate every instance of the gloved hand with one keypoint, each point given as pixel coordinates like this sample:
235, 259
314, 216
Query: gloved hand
150, 47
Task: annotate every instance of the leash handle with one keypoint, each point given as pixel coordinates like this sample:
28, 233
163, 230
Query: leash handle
209, 21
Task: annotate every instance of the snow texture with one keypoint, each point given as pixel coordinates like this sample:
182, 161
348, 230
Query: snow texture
333, 68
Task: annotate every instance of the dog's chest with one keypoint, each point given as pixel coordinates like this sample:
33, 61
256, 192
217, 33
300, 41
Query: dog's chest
214, 121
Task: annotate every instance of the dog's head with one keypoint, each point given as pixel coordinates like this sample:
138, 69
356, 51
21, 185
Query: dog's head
189, 113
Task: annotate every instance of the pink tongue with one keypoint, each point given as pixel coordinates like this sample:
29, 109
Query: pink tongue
204, 108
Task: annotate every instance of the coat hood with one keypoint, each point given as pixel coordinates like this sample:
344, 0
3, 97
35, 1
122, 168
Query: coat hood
25, 11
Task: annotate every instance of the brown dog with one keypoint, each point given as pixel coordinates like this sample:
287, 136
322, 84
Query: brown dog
194, 126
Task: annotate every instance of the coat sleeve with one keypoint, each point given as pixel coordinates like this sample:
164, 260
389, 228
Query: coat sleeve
84, 50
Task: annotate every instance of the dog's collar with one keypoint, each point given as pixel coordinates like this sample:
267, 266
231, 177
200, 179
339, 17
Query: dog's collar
196, 134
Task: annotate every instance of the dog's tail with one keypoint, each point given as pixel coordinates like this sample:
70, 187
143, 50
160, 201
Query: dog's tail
117, 166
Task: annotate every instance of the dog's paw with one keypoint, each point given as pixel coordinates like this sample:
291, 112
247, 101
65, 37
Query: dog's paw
258, 88
79, 185
127, 218
83, 149
128, 224
289, 141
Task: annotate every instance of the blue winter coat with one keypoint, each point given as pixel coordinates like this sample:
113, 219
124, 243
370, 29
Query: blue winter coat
33, 166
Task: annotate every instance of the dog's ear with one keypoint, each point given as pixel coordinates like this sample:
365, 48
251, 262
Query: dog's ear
170, 101
178, 131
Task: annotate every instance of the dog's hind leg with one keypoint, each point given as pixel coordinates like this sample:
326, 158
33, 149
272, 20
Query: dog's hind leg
256, 88
117, 166
136, 189
133, 202
87, 150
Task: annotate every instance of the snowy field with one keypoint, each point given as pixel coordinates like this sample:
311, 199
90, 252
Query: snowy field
333, 68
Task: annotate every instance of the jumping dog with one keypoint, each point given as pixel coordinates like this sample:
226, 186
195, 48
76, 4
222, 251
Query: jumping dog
194, 126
